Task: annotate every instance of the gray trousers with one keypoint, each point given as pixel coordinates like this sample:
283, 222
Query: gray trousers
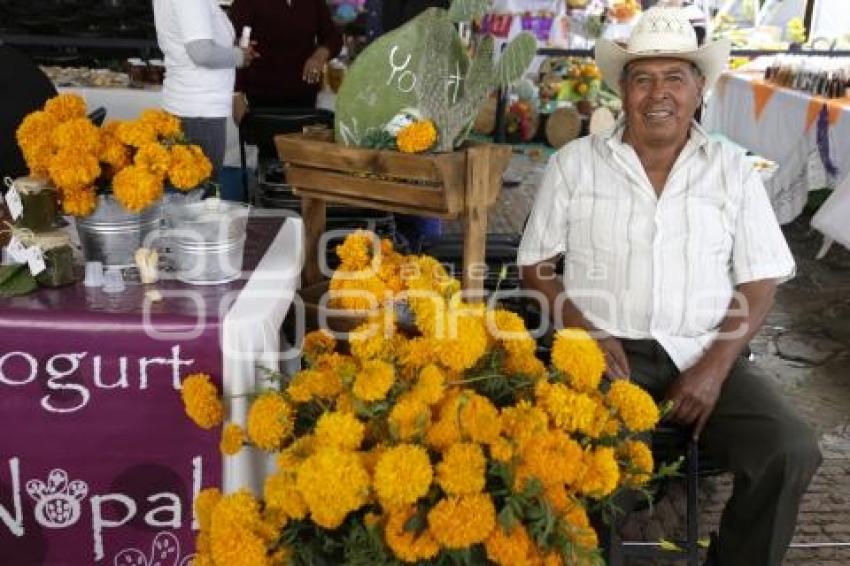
211, 135
754, 433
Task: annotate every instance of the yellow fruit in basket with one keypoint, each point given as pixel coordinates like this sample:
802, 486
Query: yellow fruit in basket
590, 70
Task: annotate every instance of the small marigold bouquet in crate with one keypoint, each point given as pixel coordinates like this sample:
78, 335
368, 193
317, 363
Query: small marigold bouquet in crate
451, 444
132, 159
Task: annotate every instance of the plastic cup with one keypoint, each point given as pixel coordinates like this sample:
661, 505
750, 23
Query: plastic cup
94, 274
113, 282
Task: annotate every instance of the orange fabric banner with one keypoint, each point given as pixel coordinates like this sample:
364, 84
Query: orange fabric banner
835, 107
762, 93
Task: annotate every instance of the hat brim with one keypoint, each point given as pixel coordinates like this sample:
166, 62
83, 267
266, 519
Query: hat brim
611, 59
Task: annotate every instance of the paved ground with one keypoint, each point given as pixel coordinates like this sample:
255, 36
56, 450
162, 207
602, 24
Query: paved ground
805, 346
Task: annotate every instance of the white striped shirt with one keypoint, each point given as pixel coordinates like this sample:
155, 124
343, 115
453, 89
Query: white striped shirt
641, 266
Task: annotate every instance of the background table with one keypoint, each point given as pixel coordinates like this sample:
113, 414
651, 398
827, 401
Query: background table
91, 412
128, 103
781, 125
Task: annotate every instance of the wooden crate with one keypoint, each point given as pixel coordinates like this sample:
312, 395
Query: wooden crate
463, 183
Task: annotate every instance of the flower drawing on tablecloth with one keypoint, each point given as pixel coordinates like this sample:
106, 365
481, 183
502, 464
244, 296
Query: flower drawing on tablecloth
57, 501
165, 551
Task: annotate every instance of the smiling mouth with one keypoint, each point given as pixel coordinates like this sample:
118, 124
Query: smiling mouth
658, 115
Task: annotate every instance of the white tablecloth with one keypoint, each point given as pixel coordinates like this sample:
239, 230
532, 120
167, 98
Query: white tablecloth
833, 217
128, 103
784, 132
251, 339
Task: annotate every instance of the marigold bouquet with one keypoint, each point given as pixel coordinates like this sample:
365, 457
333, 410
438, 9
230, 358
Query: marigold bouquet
134, 157
450, 445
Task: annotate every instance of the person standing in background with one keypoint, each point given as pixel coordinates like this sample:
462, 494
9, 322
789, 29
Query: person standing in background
24, 88
198, 43
297, 38
398, 12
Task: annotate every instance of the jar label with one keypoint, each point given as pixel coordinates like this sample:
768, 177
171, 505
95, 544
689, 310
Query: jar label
17, 250
13, 200
35, 260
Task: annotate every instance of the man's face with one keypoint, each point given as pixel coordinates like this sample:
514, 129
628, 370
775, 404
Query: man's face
660, 97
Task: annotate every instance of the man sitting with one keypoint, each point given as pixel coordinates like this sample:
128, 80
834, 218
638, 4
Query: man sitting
672, 256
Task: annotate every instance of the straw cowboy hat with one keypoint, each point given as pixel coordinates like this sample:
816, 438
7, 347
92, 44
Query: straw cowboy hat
662, 32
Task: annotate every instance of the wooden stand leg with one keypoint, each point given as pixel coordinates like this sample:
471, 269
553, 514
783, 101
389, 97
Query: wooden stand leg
484, 167
313, 213
474, 243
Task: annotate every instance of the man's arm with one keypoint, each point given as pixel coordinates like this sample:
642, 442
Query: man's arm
543, 278
695, 392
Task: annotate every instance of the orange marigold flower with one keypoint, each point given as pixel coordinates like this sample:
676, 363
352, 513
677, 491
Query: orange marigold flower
406, 545
403, 475
66, 106
135, 133
78, 133
601, 473
634, 406
460, 522
200, 398
80, 202
637, 463
189, 167
270, 421
164, 124
576, 354
316, 343
72, 169
417, 137
408, 419
461, 471
136, 188
232, 438
512, 547
374, 380
153, 157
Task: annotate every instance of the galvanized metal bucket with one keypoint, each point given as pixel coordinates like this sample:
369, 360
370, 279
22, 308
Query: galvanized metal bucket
208, 263
207, 240
112, 235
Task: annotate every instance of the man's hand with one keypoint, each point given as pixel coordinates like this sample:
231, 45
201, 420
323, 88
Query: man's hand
313, 68
249, 54
616, 362
694, 394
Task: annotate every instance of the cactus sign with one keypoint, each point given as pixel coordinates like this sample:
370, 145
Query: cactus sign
385, 77
423, 65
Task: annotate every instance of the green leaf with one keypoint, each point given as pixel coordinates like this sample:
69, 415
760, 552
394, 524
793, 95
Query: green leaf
516, 58
7, 271
468, 10
20, 282
506, 518
665, 544
379, 139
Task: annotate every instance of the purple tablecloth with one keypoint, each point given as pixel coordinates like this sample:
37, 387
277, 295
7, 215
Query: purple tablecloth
97, 458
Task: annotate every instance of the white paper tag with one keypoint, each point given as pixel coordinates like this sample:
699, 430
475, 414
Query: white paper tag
35, 260
13, 199
17, 250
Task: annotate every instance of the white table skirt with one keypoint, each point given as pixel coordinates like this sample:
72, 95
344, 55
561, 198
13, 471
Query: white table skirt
251, 339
